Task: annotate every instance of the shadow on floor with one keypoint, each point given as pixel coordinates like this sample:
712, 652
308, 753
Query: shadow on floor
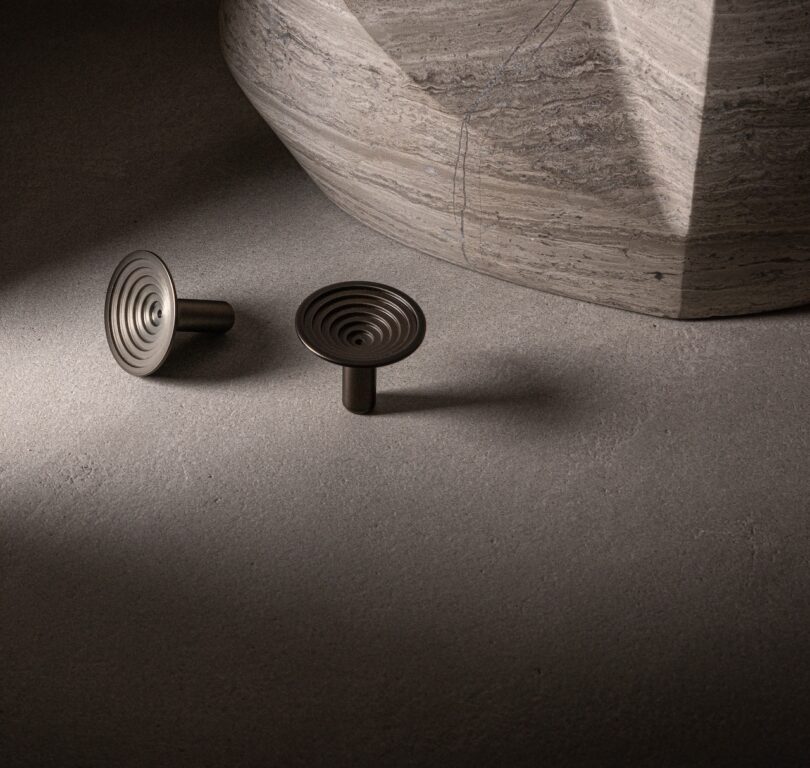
143, 650
115, 114
249, 349
504, 387
419, 400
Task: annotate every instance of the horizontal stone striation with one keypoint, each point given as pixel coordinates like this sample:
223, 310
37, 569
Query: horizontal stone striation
575, 146
748, 246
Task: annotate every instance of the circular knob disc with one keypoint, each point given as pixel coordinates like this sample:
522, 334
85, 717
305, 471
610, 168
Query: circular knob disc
140, 311
360, 324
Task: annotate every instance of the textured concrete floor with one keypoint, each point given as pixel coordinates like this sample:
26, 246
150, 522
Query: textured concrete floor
572, 536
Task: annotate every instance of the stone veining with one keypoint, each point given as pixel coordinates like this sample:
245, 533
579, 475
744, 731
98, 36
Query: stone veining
635, 153
464, 138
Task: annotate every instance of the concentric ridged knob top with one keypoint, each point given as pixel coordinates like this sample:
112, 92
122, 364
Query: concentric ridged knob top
360, 324
140, 311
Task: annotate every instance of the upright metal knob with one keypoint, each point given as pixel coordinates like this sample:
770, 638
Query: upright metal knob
142, 313
361, 326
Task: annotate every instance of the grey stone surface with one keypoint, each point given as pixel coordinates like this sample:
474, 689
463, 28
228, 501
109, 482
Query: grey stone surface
641, 154
573, 536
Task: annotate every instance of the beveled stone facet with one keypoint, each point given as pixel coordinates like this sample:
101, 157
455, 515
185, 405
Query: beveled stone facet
642, 154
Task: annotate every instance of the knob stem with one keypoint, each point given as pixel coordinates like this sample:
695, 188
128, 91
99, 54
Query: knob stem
204, 316
359, 389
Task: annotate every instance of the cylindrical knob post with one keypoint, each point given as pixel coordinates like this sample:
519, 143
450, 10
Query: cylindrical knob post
359, 389
204, 316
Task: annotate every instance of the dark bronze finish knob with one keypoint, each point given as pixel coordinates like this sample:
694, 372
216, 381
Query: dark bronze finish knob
142, 313
361, 326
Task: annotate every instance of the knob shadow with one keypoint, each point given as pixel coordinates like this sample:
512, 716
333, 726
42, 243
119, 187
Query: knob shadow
247, 350
416, 401
509, 389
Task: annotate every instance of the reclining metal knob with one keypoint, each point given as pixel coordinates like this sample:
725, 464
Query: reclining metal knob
361, 326
142, 313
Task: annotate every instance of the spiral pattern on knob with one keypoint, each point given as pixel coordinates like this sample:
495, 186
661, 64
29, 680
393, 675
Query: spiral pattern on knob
139, 313
360, 324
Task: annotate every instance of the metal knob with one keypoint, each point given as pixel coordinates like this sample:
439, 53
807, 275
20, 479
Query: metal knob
361, 326
142, 313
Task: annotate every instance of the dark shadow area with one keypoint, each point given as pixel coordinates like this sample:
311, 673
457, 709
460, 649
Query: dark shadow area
154, 653
528, 402
748, 245
114, 114
247, 350
510, 391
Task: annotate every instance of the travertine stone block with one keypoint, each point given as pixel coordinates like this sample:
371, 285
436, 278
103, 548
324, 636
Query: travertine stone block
643, 154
